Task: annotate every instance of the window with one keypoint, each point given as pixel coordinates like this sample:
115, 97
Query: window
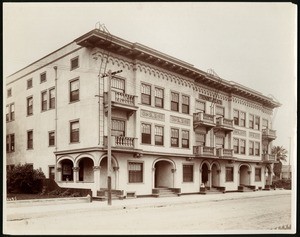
74, 63
174, 101
74, 90
185, 139
265, 123
229, 174
219, 142
159, 97
118, 84
43, 77
159, 135
9, 92
251, 121
7, 113
10, 143
52, 172
30, 105
30, 139
257, 123
257, 148
251, 148
185, 104
146, 94
242, 119
243, 146
200, 106
12, 112
52, 98
200, 139
188, 171
220, 111
29, 83
135, 172
44, 101
257, 174
51, 138
74, 131
117, 127
146, 133
236, 145
236, 117
174, 137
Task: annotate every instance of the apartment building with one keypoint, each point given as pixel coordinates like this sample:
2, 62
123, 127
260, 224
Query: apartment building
173, 126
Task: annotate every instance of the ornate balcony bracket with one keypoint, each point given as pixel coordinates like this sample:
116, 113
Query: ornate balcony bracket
137, 155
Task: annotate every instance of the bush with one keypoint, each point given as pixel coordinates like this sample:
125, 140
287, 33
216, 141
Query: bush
24, 179
286, 184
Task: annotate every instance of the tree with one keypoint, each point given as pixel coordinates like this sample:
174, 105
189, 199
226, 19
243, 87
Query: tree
280, 155
24, 179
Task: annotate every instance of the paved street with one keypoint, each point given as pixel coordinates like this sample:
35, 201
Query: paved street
256, 212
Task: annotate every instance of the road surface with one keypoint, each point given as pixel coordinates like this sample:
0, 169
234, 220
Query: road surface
261, 213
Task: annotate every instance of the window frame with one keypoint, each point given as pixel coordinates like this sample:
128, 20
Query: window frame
242, 148
160, 136
51, 99
187, 174
251, 149
10, 143
220, 108
71, 63
200, 102
113, 130
255, 120
144, 95
44, 103
183, 105
174, 102
12, 113
157, 98
42, 75
236, 146
135, 176
229, 177
29, 141
251, 121
257, 148
146, 135
9, 92
257, 174
71, 99
116, 78
177, 138
29, 85
29, 109
72, 122
185, 139
49, 138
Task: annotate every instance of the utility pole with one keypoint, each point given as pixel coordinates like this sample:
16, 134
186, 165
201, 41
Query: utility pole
109, 75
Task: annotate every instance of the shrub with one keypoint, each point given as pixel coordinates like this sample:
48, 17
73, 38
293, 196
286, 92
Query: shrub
286, 184
24, 179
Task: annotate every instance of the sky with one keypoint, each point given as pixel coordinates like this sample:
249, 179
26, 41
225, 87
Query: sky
253, 44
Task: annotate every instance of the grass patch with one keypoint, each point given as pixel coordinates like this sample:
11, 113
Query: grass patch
22, 196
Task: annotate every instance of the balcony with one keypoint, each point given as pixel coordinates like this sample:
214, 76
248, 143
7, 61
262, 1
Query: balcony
122, 142
225, 153
268, 134
122, 101
202, 119
224, 124
204, 151
268, 158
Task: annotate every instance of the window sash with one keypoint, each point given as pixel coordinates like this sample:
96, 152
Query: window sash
236, 145
146, 89
52, 99
257, 148
74, 90
43, 77
118, 83
74, 134
174, 106
243, 146
44, 101
175, 97
135, 172
159, 94
7, 113
159, 140
12, 112
74, 63
220, 111
29, 140
229, 174
188, 173
51, 139
29, 83
29, 106
12, 142
146, 99
257, 174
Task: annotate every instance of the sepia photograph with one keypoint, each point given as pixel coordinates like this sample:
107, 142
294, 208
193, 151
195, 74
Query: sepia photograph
149, 118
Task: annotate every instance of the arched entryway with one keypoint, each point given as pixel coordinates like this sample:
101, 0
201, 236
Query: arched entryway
244, 175
163, 176
86, 172
66, 170
215, 176
103, 173
205, 175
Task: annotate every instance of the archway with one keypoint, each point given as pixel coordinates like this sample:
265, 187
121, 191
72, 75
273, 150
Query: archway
215, 176
163, 177
86, 172
244, 175
103, 174
66, 170
204, 175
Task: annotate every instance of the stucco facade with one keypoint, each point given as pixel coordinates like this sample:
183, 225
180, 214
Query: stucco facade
174, 126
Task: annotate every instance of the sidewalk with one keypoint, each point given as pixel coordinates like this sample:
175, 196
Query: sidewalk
35, 211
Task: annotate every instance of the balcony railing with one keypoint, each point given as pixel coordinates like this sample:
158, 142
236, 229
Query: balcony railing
224, 123
204, 119
269, 134
122, 142
223, 152
120, 99
269, 157
204, 151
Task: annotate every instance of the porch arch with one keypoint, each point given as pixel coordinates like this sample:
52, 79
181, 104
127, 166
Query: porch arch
215, 174
244, 174
65, 167
205, 173
83, 155
103, 172
163, 174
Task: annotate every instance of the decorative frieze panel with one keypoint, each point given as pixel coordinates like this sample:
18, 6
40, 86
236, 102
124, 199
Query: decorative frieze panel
254, 135
152, 115
179, 120
239, 132
241, 101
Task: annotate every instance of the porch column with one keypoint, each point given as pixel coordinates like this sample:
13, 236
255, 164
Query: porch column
58, 174
173, 172
153, 177
209, 177
249, 175
116, 172
96, 179
75, 174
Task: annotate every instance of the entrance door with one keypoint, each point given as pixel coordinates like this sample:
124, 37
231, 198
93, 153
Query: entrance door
163, 174
204, 175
